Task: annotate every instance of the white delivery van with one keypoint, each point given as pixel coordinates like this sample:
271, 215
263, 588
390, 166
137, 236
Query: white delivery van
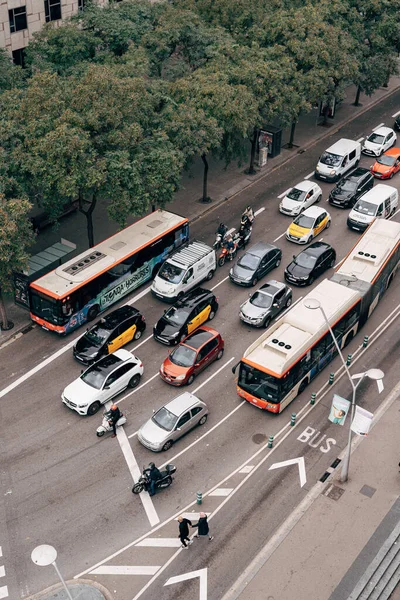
379, 203
338, 159
183, 270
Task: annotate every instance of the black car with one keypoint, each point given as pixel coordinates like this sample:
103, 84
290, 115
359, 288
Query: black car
110, 333
310, 263
189, 312
256, 262
346, 193
396, 124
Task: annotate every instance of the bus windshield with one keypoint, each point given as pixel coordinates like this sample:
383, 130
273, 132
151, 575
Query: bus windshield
260, 384
47, 308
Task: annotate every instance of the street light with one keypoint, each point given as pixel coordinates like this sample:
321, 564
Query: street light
46, 555
375, 374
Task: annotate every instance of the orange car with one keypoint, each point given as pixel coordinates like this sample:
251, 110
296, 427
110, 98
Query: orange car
192, 355
387, 165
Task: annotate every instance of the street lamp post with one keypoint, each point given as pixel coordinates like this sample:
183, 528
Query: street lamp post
46, 555
375, 374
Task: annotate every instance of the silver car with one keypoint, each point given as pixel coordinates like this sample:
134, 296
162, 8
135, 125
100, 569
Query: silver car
172, 421
264, 304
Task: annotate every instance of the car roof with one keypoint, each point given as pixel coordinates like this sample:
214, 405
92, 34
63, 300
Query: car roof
200, 336
304, 185
317, 248
108, 363
278, 285
356, 173
117, 316
181, 403
260, 249
193, 297
314, 211
392, 152
382, 131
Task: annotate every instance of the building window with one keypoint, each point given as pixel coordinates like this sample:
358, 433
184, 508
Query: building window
81, 4
52, 9
17, 18
19, 57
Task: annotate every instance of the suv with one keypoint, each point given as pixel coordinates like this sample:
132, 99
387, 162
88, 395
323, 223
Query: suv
350, 188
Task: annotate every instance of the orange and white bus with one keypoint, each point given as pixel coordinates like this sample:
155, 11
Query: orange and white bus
77, 291
281, 363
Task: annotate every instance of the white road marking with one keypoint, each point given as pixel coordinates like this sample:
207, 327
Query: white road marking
160, 543
140, 295
213, 375
221, 492
360, 140
247, 469
396, 114
259, 211
136, 389
136, 473
278, 238
3, 591
2, 571
284, 193
133, 434
125, 570
293, 461
201, 573
222, 281
193, 516
377, 127
309, 175
141, 344
1, 552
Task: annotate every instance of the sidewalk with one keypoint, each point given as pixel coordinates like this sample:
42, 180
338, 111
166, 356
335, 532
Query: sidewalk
79, 590
227, 183
341, 540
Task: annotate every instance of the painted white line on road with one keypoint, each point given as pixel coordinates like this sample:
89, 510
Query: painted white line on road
213, 375
259, 211
396, 114
360, 140
140, 295
133, 434
194, 516
136, 473
125, 570
2, 571
281, 236
141, 344
221, 492
377, 127
160, 543
3, 591
1, 552
222, 281
136, 389
201, 574
309, 175
284, 193
247, 469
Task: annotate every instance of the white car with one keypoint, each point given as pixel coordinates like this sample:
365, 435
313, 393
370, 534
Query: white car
102, 381
379, 141
303, 195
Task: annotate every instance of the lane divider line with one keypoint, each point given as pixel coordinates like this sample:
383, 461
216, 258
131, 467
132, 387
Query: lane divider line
360, 140
284, 193
259, 211
396, 114
309, 175
377, 127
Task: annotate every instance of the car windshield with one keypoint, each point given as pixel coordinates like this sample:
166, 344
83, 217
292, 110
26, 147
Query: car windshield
332, 160
347, 185
171, 273
249, 261
94, 378
296, 194
305, 260
387, 161
183, 356
177, 316
376, 138
261, 300
365, 208
164, 419
304, 221
97, 336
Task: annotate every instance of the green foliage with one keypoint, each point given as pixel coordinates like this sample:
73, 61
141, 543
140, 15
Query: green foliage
11, 75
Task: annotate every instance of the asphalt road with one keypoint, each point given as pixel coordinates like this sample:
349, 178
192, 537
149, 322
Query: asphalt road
64, 486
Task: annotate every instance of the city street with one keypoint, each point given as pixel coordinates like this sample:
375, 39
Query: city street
66, 487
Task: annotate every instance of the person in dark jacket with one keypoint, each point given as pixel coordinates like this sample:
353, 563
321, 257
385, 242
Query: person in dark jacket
184, 531
114, 416
154, 475
202, 527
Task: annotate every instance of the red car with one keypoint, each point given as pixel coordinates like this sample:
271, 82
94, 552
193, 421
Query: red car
387, 165
192, 355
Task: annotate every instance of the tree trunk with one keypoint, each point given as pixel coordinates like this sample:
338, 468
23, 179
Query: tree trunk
5, 323
357, 100
205, 198
251, 170
292, 130
89, 216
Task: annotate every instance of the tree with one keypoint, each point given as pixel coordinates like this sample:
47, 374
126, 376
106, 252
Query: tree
11, 75
16, 235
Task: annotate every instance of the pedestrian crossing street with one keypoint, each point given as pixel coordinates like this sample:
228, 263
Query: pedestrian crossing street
3, 588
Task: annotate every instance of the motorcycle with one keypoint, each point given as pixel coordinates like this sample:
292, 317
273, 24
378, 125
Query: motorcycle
144, 480
220, 235
247, 217
106, 425
242, 237
226, 255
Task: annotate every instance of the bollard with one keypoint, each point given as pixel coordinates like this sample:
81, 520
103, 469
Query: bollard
270, 441
331, 378
199, 497
348, 361
293, 419
365, 342
313, 397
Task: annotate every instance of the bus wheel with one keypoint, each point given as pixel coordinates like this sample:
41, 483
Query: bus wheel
348, 339
93, 312
303, 385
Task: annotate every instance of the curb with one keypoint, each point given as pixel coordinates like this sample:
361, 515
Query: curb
58, 587
303, 149
17, 333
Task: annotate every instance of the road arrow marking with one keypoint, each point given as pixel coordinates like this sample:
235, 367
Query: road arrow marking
201, 573
3, 591
125, 570
293, 461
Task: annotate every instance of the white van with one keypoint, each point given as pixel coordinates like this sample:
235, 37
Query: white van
379, 203
182, 271
338, 159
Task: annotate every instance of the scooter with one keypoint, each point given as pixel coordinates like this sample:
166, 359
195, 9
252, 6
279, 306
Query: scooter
144, 480
220, 235
226, 255
242, 237
106, 423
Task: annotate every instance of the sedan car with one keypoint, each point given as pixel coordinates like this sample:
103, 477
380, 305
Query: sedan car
192, 310
112, 332
346, 193
310, 263
264, 304
300, 197
102, 381
194, 354
308, 225
256, 262
396, 124
387, 165
172, 421
379, 141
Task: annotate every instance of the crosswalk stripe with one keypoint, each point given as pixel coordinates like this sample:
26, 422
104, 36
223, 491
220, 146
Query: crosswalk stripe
221, 492
4, 591
160, 542
1, 552
2, 571
125, 570
193, 516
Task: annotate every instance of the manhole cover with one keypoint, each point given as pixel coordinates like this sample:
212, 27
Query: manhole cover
368, 491
259, 438
334, 492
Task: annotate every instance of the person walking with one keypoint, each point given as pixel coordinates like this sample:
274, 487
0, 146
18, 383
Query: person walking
184, 531
202, 527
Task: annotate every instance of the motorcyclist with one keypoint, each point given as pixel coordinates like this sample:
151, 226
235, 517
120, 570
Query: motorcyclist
230, 246
248, 214
154, 475
114, 414
222, 229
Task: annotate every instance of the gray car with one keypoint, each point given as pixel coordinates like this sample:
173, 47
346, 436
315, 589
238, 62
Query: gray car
172, 421
256, 262
264, 304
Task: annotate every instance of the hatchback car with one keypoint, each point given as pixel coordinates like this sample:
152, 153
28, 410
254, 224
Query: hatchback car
194, 354
264, 304
192, 310
387, 165
303, 195
172, 421
256, 262
346, 193
310, 263
102, 381
379, 141
112, 332
308, 225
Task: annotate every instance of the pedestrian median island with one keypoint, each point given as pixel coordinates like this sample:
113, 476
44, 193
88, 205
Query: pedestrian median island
79, 590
